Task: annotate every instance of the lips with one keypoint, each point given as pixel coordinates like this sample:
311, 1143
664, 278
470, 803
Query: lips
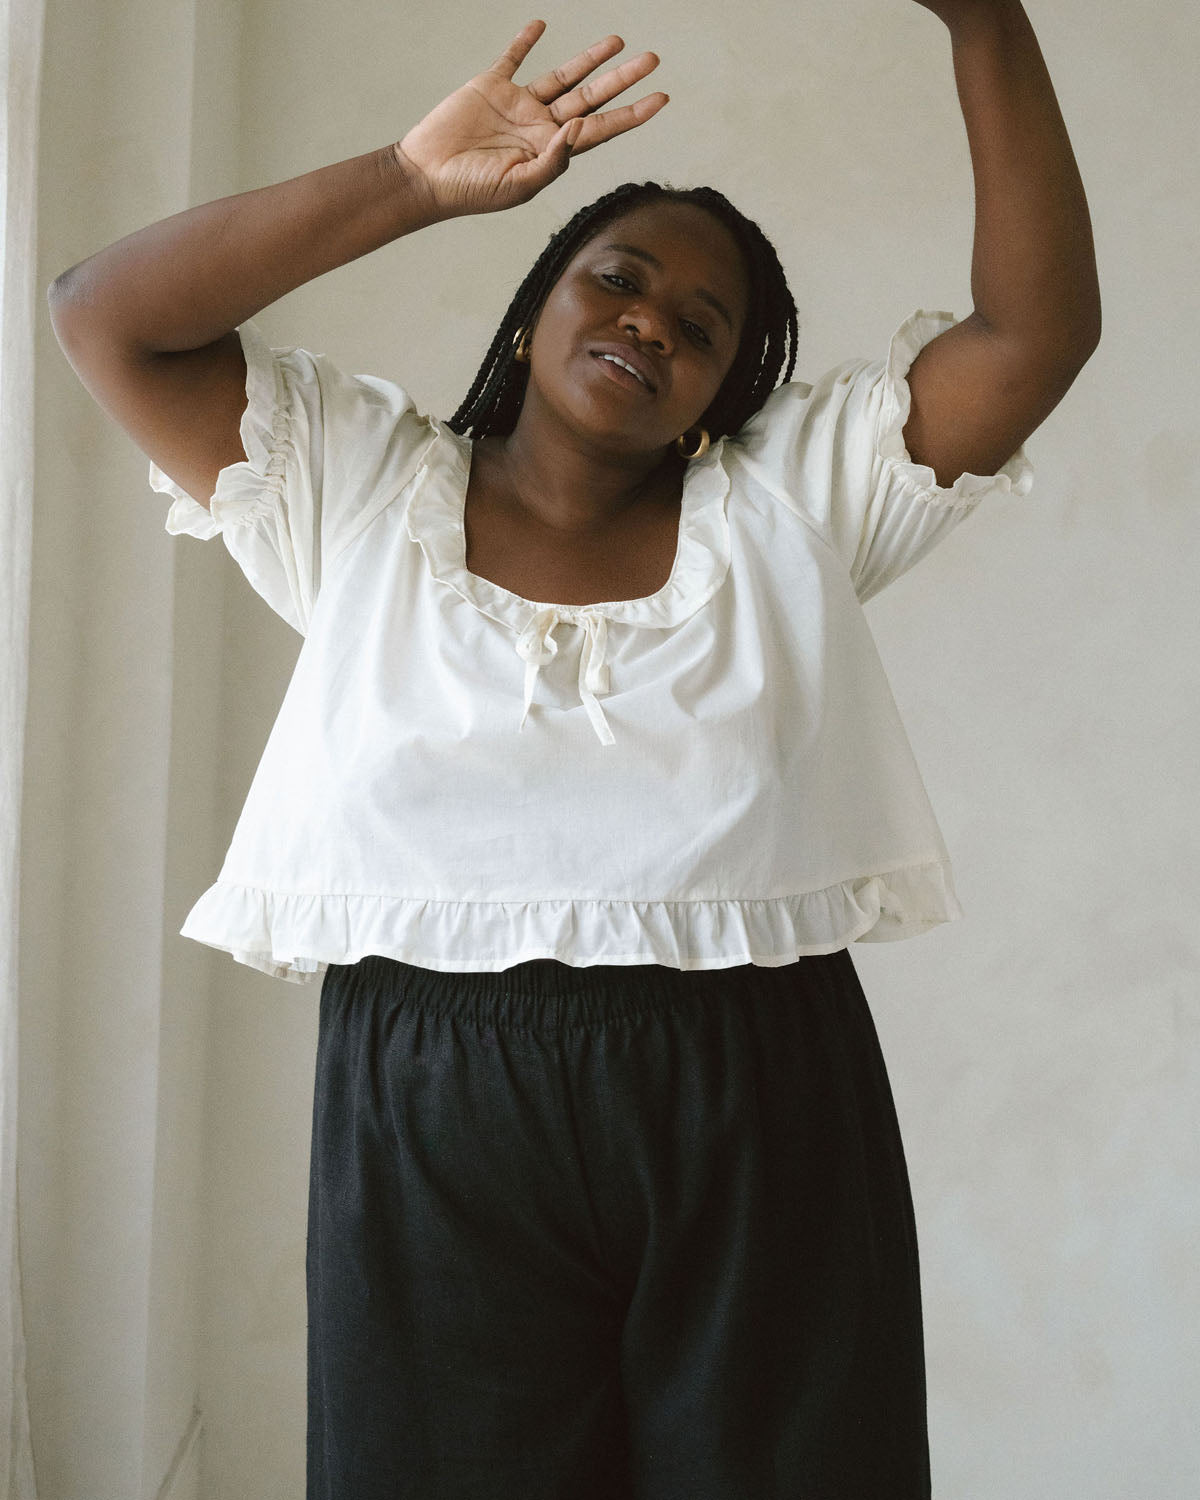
631, 356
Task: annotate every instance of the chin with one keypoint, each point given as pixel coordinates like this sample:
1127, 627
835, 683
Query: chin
606, 429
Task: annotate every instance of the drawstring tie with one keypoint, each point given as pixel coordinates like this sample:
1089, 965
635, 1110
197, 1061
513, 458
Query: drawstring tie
536, 645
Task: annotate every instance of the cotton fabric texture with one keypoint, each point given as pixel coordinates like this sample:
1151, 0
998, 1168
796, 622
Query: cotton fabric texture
609, 1233
463, 779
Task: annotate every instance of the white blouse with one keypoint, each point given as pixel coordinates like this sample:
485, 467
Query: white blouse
463, 778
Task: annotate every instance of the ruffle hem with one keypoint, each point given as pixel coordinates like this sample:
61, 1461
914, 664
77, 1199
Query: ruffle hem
281, 932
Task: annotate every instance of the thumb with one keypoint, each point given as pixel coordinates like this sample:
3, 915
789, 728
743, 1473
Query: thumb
557, 154
527, 180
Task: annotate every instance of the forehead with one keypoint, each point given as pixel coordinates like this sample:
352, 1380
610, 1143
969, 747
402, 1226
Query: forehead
687, 239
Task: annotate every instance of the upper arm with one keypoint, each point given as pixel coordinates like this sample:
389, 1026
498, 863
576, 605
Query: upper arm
183, 410
977, 395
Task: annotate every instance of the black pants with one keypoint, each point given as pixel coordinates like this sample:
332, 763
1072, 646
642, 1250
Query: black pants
609, 1233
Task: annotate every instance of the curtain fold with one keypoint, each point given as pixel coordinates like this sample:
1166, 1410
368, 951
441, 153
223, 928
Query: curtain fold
21, 33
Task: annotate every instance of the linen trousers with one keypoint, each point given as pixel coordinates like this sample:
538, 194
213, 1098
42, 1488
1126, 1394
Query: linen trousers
609, 1233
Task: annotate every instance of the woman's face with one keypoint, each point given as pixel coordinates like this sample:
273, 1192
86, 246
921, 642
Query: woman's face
665, 281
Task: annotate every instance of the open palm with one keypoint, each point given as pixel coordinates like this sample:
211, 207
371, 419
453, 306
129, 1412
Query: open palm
494, 143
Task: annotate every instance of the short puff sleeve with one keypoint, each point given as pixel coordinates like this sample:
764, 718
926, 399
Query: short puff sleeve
834, 453
326, 453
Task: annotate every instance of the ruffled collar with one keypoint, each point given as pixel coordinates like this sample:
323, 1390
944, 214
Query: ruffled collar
437, 506
435, 521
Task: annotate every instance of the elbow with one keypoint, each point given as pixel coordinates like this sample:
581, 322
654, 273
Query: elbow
1077, 341
60, 286
1070, 348
1089, 325
1089, 339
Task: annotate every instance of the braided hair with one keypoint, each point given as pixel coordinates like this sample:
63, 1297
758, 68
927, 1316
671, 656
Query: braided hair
493, 403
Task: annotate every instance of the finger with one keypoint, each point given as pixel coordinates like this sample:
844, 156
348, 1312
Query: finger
600, 128
528, 178
600, 90
518, 49
559, 80
561, 146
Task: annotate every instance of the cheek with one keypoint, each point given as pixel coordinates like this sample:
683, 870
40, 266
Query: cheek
708, 379
565, 310
726, 369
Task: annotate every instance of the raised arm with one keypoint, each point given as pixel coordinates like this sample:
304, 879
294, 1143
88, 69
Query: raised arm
149, 323
185, 281
982, 387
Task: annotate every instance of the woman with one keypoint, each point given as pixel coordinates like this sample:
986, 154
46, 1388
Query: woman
587, 776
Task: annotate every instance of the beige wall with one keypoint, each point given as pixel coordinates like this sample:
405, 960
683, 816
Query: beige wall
119, 816
1043, 1051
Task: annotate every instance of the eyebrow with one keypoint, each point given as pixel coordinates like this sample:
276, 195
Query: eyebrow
653, 260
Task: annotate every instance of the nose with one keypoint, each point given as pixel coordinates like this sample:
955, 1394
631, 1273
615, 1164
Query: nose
648, 325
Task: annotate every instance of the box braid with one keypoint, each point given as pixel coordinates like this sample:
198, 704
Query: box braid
493, 403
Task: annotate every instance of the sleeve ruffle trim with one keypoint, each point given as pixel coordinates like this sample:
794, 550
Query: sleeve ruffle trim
252, 487
1015, 477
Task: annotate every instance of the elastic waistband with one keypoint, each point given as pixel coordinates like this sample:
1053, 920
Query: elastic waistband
545, 993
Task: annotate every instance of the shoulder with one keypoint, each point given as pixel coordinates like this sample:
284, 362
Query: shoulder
800, 414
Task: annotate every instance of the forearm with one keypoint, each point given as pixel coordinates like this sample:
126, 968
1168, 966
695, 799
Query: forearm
1033, 270
184, 281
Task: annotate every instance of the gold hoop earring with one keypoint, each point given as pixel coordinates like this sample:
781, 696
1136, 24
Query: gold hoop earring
522, 343
701, 447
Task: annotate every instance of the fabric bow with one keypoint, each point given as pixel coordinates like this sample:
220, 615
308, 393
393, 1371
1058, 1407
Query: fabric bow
536, 645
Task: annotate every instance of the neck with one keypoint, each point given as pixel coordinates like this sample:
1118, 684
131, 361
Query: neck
571, 484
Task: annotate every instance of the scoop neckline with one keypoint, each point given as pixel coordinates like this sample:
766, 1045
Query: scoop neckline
462, 450
467, 454
434, 519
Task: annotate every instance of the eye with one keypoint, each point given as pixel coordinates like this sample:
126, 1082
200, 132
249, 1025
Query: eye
611, 276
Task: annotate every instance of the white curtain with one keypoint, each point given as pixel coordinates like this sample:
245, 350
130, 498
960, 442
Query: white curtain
21, 28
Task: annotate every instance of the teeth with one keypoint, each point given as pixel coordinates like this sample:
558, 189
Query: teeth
628, 367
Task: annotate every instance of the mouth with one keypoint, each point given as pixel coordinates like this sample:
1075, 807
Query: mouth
628, 369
